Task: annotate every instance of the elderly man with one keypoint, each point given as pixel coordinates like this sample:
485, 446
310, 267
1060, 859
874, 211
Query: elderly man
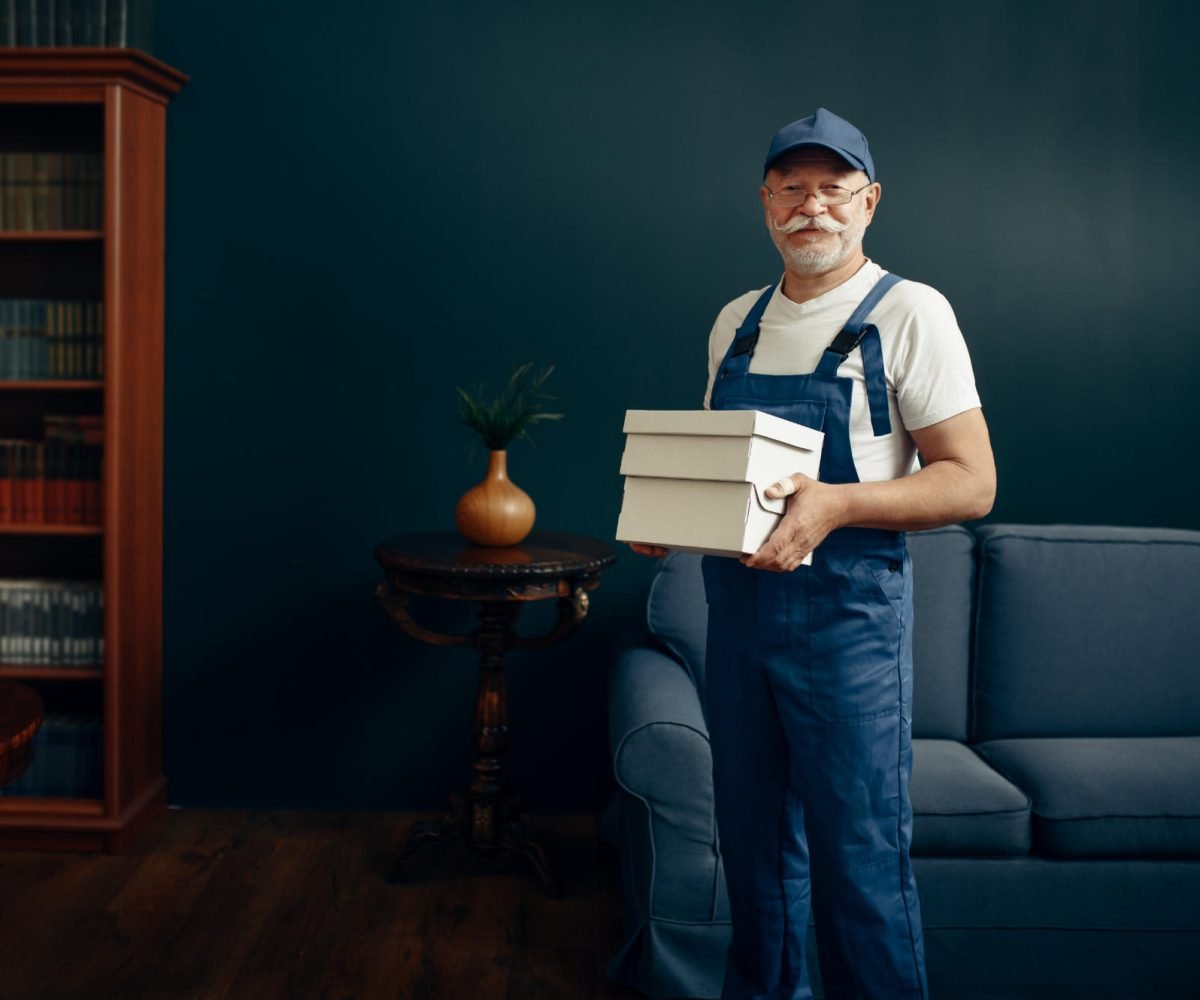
809, 668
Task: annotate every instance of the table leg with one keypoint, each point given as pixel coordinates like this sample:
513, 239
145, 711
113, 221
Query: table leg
489, 820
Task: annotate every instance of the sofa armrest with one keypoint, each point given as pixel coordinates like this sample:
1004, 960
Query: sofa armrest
662, 761
657, 733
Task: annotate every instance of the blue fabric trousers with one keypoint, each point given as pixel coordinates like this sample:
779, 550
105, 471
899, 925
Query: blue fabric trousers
809, 704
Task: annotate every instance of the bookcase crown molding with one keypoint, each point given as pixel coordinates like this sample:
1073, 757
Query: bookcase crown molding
83, 66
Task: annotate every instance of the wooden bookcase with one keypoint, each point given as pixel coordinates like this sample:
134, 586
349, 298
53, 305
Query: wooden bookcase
111, 102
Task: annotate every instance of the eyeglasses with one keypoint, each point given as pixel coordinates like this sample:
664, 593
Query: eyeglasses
830, 194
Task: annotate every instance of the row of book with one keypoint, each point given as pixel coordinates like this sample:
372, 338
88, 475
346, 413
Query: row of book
51, 338
49, 482
56, 480
111, 23
66, 758
51, 623
47, 191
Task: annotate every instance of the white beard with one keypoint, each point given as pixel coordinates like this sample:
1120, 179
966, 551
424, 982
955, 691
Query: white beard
817, 259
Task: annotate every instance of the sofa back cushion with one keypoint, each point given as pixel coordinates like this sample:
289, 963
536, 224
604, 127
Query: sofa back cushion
943, 575
943, 585
1086, 631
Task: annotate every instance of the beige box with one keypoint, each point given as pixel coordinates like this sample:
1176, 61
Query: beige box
695, 479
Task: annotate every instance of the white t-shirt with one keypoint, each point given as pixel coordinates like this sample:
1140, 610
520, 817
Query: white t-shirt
926, 364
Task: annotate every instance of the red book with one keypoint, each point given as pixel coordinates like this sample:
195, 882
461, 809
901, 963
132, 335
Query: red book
94, 487
21, 500
6, 471
85, 480
100, 486
74, 485
54, 482
39, 482
30, 483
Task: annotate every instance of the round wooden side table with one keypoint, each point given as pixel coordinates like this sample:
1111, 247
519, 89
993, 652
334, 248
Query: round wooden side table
21, 712
443, 564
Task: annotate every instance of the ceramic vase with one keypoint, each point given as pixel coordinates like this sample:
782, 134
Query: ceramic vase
496, 511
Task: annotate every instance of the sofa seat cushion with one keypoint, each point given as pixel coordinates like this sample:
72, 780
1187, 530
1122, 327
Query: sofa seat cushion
963, 807
1107, 797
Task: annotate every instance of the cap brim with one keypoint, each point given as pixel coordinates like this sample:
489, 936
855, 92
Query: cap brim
854, 161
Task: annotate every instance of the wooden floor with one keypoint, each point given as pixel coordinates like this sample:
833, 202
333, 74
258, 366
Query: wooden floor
269, 905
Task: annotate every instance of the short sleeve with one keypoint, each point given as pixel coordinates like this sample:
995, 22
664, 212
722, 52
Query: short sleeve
718, 343
932, 372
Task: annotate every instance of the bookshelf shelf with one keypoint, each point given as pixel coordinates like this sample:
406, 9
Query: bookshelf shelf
51, 529
45, 808
49, 384
111, 104
33, 673
50, 236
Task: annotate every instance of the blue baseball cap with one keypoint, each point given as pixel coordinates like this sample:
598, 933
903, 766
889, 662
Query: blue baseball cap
826, 129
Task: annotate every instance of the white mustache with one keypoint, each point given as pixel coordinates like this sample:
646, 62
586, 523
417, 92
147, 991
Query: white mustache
825, 223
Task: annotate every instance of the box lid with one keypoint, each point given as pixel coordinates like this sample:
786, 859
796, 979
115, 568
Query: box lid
722, 423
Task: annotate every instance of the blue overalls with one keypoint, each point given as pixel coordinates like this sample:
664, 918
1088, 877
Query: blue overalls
809, 704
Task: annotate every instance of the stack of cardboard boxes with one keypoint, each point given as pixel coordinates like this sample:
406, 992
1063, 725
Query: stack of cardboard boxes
695, 480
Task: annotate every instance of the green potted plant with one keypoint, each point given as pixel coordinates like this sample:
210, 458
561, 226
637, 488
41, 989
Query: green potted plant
497, 511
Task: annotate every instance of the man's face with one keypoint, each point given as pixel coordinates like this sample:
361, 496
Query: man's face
821, 237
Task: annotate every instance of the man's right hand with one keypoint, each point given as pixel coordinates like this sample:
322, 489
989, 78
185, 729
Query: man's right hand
648, 550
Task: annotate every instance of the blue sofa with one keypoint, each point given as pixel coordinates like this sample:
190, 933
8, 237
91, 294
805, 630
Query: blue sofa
1056, 771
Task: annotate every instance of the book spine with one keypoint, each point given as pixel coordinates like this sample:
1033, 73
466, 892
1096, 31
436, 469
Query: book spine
8, 23
89, 484
5, 484
79, 22
45, 23
62, 23
75, 484
42, 357
98, 310
74, 332
70, 188
39, 482
41, 191
7, 366
17, 649
26, 21
22, 184
54, 192
118, 29
91, 363
23, 491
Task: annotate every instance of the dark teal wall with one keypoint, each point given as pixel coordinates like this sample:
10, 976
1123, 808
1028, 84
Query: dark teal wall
369, 204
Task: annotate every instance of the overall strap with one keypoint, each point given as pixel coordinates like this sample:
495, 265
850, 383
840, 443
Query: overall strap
741, 348
859, 333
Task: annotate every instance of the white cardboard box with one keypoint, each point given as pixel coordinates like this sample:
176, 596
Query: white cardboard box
695, 479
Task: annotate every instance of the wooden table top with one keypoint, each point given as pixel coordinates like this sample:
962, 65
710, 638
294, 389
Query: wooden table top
447, 554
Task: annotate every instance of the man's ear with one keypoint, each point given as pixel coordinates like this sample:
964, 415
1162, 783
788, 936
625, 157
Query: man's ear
871, 198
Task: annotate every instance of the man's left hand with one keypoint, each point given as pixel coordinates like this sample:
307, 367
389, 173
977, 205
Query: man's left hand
814, 509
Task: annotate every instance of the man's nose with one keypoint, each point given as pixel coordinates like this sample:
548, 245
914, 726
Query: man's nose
812, 205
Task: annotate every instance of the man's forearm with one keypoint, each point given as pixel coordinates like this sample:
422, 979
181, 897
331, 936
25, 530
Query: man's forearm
941, 493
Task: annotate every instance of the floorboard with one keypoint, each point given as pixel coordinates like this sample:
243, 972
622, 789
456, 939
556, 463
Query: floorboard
217, 904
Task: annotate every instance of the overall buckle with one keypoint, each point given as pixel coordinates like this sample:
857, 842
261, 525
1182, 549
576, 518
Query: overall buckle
846, 341
744, 345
